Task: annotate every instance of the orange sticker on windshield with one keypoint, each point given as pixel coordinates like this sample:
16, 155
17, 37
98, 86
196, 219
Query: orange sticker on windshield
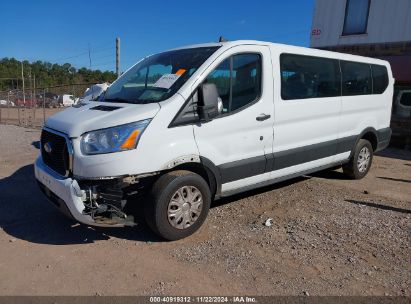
180, 72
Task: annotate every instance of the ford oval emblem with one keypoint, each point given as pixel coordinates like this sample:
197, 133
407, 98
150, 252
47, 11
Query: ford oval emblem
47, 147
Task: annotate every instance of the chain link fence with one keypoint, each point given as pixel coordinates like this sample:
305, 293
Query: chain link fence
31, 108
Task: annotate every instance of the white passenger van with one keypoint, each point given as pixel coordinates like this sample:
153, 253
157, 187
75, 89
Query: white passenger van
185, 127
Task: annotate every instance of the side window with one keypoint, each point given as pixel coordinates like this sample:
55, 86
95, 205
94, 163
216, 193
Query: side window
309, 77
221, 78
379, 78
356, 78
238, 80
246, 80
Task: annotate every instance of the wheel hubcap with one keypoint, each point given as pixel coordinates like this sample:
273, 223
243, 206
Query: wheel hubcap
364, 158
185, 207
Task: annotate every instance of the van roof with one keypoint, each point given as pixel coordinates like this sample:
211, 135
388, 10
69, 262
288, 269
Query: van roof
289, 48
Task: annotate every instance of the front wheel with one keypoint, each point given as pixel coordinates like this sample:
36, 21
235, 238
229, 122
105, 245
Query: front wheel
360, 161
178, 204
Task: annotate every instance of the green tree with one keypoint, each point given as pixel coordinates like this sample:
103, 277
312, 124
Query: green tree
48, 74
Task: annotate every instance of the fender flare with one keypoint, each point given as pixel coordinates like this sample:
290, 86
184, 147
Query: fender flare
215, 171
361, 135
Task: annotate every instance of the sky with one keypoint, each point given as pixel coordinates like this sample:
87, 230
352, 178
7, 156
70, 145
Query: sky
65, 31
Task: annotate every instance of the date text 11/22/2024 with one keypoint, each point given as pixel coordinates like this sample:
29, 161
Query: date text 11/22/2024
203, 299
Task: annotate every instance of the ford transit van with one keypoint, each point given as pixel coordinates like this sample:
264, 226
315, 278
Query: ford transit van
185, 127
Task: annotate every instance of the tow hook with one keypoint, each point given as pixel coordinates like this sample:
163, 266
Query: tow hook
77, 191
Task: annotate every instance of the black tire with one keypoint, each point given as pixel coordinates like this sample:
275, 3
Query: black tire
157, 204
352, 169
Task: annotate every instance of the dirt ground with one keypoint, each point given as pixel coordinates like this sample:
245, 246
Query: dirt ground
28, 117
330, 236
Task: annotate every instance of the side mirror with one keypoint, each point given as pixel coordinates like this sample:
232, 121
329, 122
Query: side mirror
208, 101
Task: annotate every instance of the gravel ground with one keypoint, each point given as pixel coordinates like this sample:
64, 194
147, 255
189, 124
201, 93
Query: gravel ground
329, 236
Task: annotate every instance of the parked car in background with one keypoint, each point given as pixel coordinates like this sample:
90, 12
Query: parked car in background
6, 103
28, 103
93, 92
66, 100
402, 104
48, 99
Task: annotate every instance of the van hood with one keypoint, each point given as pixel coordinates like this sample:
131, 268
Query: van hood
86, 117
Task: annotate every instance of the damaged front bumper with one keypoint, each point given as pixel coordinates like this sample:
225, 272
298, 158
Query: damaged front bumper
68, 197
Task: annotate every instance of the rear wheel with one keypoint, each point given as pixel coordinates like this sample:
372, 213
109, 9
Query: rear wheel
360, 161
178, 204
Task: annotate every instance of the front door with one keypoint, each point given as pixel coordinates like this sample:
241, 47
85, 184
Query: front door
241, 137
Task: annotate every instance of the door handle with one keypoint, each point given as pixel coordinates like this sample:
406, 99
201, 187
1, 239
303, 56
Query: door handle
262, 117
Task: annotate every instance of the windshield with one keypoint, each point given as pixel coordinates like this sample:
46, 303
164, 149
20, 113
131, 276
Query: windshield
157, 77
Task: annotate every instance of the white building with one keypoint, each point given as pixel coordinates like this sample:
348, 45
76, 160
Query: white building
375, 28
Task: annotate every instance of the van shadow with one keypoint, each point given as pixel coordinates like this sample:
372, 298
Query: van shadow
26, 214
395, 153
330, 174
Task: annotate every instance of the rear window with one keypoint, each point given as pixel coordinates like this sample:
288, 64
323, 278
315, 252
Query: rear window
406, 99
356, 78
314, 77
379, 78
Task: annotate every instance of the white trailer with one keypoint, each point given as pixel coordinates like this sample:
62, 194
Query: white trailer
66, 100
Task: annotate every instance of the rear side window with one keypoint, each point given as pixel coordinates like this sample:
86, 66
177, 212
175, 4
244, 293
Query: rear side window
309, 77
356, 78
379, 78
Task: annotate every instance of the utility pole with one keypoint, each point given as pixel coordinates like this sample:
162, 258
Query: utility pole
31, 86
35, 98
118, 57
89, 56
34, 87
44, 106
8, 104
22, 77
24, 94
28, 119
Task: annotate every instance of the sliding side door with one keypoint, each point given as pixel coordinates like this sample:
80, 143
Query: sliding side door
307, 112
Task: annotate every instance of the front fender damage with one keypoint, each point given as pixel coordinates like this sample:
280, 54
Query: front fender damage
112, 200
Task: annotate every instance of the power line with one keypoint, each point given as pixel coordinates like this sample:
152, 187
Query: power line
101, 57
75, 56
85, 53
84, 61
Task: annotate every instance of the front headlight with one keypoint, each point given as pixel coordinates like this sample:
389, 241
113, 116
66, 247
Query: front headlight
115, 139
